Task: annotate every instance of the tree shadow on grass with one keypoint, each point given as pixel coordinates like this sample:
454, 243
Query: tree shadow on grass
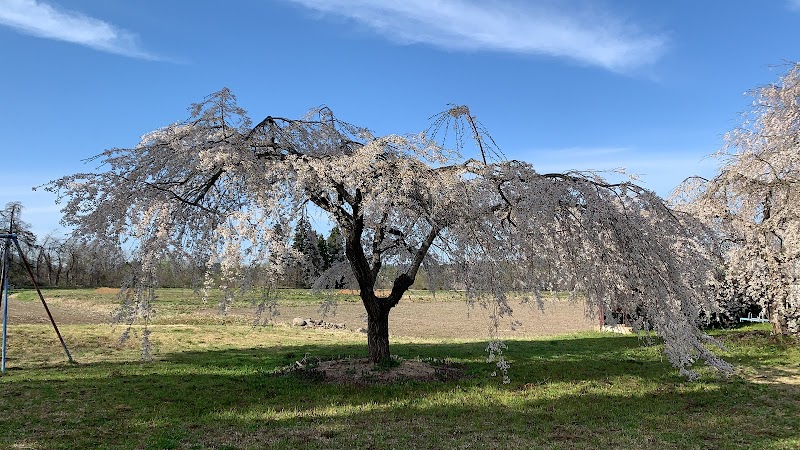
565, 393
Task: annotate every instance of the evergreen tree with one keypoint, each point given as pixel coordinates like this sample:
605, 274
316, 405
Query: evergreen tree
334, 245
309, 260
322, 246
334, 255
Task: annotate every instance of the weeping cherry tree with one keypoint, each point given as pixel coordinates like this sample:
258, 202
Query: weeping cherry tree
222, 190
753, 204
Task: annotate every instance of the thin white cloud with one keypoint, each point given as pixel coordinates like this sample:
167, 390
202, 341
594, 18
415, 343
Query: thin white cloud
794, 5
582, 35
45, 20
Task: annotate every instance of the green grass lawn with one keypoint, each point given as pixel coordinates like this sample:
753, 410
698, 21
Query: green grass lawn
220, 387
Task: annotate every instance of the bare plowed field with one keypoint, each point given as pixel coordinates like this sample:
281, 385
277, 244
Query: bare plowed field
455, 320
428, 320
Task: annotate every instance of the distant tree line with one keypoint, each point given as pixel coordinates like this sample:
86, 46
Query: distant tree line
70, 261
59, 261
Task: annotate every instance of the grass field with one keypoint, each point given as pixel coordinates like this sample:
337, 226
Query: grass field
223, 387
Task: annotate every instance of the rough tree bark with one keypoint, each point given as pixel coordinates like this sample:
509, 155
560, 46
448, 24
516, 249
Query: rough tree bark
377, 328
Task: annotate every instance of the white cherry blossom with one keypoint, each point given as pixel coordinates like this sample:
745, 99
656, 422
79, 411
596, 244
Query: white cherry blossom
753, 204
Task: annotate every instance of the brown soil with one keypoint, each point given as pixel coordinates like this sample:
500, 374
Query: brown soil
361, 371
426, 320
776, 375
64, 311
456, 320
106, 290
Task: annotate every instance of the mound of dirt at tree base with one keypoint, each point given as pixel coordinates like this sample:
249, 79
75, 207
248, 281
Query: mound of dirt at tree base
362, 371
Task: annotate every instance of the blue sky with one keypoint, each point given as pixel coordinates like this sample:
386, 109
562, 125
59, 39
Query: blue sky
572, 84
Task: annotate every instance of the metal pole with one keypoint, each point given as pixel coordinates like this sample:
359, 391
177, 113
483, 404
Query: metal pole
41, 297
6, 275
5, 302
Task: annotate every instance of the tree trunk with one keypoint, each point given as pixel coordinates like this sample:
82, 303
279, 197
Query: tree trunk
783, 323
378, 335
778, 325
